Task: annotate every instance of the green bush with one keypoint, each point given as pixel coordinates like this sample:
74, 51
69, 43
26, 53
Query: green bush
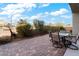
57, 28
62, 28
47, 28
23, 29
53, 28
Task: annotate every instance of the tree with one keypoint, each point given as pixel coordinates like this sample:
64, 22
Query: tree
39, 25
22, 22
13, 35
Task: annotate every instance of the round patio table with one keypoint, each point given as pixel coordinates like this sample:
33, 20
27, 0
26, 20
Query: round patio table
67, 43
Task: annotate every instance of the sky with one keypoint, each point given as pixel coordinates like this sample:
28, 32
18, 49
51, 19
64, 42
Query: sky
47, 12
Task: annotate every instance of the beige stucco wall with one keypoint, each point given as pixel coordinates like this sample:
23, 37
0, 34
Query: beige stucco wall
75, 27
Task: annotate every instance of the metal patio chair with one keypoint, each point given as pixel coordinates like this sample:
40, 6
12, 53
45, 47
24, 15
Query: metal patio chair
54, 38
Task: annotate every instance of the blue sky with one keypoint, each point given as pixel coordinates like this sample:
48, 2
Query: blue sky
48, 12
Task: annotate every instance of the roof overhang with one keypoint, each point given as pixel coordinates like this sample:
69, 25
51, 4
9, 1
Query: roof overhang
74, 7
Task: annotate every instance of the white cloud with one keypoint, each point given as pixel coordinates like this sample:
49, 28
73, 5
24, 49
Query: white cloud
17, 8
11, 12
46, 13
59, 12
34, 17
66, 16
38, 16
45, 5
4, 12
16, 16
25, 17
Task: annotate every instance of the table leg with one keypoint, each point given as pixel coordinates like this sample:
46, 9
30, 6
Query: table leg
64, 41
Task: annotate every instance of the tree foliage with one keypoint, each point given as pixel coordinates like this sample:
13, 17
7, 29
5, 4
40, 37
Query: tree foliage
23, 28
39, 26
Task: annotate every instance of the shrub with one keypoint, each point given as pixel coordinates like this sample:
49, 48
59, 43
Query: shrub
24, 29
57, 28
54, 28
62, 28
47, 29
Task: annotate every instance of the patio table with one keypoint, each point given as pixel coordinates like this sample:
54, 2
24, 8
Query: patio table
65, 41
63, 37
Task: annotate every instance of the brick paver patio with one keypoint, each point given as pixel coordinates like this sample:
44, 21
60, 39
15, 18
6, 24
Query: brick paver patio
37, 46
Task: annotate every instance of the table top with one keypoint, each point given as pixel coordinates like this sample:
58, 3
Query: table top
64, 34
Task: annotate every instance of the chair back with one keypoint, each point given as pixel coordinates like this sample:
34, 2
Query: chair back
77, 37
56, 36
50, 34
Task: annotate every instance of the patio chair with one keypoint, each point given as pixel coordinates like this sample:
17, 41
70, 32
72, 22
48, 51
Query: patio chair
50, 36
54, 38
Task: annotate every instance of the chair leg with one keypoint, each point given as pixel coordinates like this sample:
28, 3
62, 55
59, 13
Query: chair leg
57, 44
73, 47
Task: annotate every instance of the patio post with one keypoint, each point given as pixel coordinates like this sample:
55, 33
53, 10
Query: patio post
75, 28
